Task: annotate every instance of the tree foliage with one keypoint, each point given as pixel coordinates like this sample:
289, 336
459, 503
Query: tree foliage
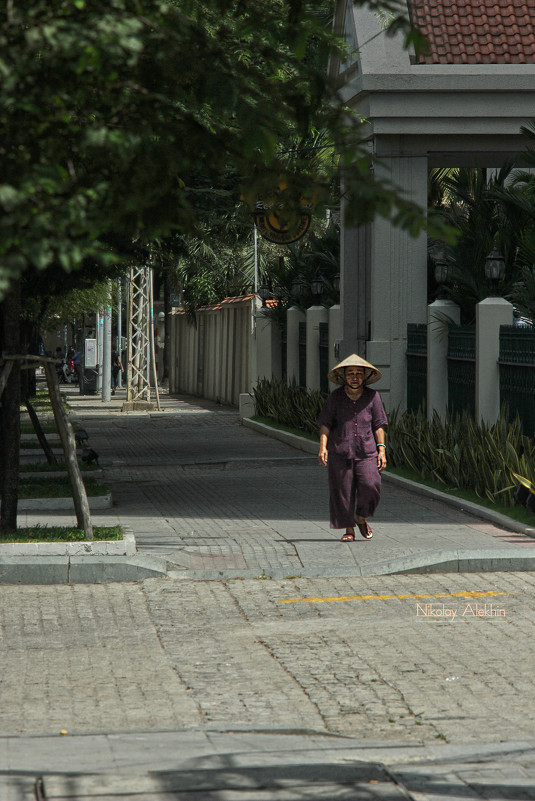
476, 207
114, 116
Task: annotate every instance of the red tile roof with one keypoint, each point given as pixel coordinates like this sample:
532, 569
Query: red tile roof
476, 31
232, 301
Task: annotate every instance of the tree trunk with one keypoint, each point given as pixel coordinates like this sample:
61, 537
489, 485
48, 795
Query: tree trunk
10, 412
81, 504
4, 375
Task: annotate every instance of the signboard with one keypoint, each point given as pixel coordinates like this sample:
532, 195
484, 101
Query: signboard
281, 215
90, 355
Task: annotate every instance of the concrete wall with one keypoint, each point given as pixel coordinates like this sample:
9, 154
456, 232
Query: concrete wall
268, 348
211, 358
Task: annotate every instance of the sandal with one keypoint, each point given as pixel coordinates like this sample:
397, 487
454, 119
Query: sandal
347, 537
365, 530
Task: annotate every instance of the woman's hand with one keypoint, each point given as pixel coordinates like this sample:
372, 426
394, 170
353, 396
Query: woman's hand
322, 456
381, 459
324, 437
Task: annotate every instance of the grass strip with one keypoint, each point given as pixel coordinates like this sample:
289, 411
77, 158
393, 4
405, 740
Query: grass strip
57, 487
61, 534
48, 428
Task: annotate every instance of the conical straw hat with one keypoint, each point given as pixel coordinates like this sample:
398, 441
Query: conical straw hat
337, 374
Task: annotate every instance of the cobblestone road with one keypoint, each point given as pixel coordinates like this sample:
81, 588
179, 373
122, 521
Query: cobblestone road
352, 656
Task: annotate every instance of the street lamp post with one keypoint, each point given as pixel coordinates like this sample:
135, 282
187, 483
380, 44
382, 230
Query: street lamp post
316, 286
494, 270
441, 276
297, 288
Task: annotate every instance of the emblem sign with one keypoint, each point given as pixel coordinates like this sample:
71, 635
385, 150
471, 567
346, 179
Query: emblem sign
280, 216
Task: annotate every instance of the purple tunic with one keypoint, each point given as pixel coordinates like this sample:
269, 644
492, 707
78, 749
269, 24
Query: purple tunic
352, 449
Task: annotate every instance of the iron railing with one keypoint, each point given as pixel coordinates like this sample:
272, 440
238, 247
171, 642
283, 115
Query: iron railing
302, 354
324, 356
517, 374
284, 343
462, 369
416, 366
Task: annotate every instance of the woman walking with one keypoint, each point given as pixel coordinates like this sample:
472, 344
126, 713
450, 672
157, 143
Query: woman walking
352, 445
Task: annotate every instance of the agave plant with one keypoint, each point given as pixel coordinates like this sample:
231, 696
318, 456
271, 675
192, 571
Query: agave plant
460, 453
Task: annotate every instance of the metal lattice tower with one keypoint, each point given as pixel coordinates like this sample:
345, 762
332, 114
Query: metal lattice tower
138, 334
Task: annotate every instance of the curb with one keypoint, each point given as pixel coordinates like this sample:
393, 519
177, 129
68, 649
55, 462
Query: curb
124, 547
454, 561
96, 502
79, 569
466, 506
302, 443
84, 562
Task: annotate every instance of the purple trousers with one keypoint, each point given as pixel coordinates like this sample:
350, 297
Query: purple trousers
349, 478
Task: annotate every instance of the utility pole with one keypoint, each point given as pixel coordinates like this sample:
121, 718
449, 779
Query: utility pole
106, 351
140, 334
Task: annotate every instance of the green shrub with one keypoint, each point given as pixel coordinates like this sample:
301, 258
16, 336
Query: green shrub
292, 406
456, 452
461, 454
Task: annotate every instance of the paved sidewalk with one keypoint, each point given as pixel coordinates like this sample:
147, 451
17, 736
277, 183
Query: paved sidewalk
213, 499
249, 766
324, 684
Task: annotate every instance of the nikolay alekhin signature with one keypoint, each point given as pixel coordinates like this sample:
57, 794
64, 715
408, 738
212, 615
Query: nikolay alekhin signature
444, 613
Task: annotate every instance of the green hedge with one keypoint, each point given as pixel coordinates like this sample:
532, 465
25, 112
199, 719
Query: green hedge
294, 407
461, 454
456, 451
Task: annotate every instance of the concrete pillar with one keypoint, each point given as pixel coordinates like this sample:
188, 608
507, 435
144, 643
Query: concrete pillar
294, 316
437, 354
314, 316
335, 335
268, 348
491, 313
384, 277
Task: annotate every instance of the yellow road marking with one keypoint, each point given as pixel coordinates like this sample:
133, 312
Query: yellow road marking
461, 594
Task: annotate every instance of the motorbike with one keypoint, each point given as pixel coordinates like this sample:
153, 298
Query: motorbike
66, 371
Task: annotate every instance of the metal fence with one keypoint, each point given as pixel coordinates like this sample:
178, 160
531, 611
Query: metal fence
284, 341
302, 354
324, 356
416, 366
517, 374
462, 369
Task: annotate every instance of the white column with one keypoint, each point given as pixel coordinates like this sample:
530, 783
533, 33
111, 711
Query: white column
106, 356
99, 334
268, 348
314, 316
437, 354
294, 316
491, 313
384, 277
335, 333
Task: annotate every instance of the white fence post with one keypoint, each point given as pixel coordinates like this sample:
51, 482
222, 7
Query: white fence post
314, 316
491, 313
335, 335
294, 316
438, 313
